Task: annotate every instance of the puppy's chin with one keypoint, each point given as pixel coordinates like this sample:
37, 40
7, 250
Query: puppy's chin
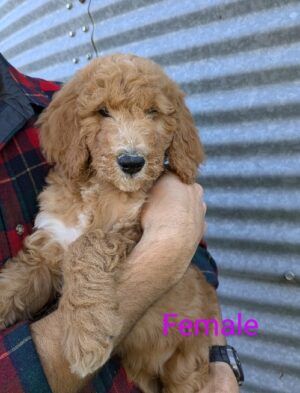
132, 183
140, 181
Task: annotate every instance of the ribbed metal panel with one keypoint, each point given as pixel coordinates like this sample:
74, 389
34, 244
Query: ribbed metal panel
239, 63
35, 36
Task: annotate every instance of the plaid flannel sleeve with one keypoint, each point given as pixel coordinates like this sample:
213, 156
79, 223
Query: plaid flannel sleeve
20, 367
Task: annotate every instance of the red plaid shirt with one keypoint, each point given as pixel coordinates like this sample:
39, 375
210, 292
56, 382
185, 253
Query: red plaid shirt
22, 173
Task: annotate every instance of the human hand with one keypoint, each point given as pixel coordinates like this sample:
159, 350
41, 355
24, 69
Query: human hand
175, 209
221, 379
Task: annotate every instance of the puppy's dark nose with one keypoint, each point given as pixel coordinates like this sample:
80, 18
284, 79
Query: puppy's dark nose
131, 163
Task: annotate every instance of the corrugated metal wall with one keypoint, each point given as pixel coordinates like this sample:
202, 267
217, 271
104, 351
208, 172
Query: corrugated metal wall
239, 62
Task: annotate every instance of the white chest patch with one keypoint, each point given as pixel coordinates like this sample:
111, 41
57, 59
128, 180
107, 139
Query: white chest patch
60, 232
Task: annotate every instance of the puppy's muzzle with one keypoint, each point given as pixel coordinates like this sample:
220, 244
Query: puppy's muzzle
131, 163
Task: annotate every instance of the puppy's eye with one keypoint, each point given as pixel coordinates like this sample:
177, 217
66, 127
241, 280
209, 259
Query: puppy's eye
104, 112
152, 111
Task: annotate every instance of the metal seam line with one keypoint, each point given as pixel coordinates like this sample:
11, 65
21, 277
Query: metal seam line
93, 29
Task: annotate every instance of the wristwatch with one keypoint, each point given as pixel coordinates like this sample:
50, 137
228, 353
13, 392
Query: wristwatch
227, 354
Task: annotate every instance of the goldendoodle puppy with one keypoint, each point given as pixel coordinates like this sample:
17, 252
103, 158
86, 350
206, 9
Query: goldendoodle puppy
108, 133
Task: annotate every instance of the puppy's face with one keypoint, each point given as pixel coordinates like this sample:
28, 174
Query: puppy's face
118, 119
129, 125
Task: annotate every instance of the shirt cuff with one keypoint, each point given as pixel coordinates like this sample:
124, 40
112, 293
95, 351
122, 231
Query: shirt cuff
20, 367
205, 262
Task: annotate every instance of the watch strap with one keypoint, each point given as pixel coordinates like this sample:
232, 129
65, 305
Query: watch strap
218, 353
227, 354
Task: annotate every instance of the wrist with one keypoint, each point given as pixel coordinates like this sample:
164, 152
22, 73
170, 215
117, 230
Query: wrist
224, 378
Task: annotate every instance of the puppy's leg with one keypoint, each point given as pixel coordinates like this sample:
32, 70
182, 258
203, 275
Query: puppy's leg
89, 305
28, 281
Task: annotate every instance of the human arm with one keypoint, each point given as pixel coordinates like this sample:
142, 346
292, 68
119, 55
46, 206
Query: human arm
221, 379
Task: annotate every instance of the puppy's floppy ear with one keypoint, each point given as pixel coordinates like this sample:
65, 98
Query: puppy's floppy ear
60, 137
186, 151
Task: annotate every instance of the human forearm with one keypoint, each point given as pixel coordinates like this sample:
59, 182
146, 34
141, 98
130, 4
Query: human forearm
156, 263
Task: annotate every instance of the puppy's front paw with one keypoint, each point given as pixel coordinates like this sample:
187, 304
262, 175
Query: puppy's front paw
84, 361
87, 348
